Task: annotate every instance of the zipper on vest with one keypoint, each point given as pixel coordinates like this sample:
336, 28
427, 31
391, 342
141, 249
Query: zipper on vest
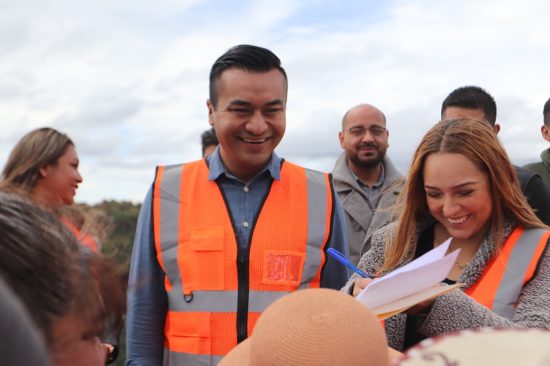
243, 264
243, 273
243, 293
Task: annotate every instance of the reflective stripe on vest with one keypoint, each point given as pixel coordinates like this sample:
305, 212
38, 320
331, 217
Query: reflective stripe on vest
286, 253
166, 188
178, 358
499, 286
217, 300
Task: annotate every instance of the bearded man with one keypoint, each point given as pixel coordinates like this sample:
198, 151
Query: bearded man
365, 180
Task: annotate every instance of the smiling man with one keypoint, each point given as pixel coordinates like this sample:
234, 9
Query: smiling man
364, 178
220, 239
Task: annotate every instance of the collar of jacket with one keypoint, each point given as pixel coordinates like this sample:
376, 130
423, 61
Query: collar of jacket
344, 180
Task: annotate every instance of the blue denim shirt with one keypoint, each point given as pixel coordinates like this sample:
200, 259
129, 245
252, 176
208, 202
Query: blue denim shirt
147, 301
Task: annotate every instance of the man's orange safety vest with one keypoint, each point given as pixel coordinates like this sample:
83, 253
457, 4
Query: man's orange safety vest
499, 286
217, 290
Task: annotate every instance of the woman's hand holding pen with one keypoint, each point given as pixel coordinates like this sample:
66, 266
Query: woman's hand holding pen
360, 284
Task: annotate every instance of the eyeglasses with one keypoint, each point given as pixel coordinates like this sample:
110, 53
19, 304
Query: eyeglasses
359, 131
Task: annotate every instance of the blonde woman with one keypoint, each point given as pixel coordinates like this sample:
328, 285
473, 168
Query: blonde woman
462, 185
44, 166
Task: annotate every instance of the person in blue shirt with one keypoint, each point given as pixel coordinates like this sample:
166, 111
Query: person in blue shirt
220, 239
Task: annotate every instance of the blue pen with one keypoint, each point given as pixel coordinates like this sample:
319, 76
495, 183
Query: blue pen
342, 259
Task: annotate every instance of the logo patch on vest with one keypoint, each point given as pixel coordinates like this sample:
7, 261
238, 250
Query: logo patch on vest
282, 267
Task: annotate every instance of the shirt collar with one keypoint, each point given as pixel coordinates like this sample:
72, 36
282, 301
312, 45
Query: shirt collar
217, 168
377, 184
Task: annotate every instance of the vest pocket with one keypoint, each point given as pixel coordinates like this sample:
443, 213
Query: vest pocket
189, 332
283, 267
202, 260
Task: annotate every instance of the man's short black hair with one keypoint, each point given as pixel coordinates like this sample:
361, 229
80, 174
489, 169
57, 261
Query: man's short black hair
243, 57
472, 97
208, 138
546, 112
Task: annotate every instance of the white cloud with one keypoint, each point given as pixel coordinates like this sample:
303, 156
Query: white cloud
128, 80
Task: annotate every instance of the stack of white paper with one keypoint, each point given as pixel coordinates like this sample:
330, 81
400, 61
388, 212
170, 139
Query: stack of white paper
417, 281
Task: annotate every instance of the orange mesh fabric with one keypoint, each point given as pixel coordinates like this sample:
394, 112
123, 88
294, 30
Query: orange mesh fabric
283, 267
207, 253
201, 333
208, 249
284, 217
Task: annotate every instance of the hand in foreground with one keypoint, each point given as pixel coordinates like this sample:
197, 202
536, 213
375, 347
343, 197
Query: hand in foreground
360, 284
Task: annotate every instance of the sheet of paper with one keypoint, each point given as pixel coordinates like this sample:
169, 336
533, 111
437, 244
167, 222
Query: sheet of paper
398, 306
421, 274
433, 255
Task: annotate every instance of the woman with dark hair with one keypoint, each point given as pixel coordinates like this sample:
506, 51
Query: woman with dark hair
461, 184
68, 291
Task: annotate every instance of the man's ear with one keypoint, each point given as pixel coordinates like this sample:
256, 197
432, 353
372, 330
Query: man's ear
496, 128
341, 138
210, 107
545, 131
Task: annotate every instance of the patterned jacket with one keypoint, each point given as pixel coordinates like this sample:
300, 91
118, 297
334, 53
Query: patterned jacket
455, 310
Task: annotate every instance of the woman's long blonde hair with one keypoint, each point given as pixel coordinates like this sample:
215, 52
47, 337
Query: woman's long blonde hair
478, 143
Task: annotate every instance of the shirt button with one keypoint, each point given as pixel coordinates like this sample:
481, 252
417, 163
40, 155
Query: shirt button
245, 188
245, 224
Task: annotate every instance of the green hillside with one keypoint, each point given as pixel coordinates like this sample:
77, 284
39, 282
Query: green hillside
118, 223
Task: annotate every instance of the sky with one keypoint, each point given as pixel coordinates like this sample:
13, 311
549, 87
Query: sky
127, 80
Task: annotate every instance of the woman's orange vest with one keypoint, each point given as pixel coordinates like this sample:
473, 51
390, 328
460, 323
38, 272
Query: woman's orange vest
85, 239
499, 286
216, 289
